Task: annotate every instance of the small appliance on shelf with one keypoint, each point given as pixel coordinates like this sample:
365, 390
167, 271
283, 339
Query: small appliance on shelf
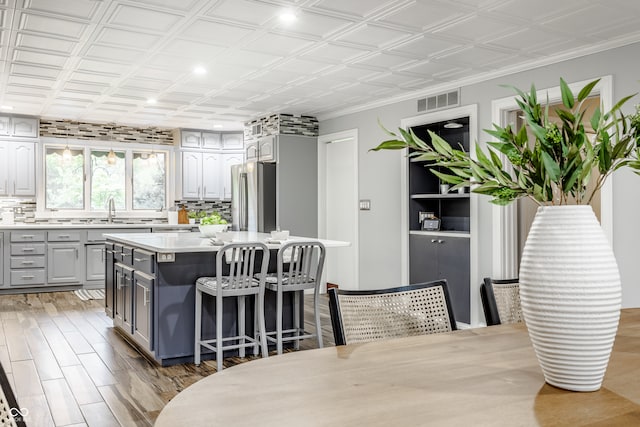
428, 221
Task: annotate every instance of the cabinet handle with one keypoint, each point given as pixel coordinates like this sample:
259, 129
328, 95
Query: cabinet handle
440, 241
204, 191
27, 277
28, 249
433, 240
198, 191
146, 295
125, 254
141, 259
103, 254
27, 262
64, 236
28, 236
77, 253
14, 188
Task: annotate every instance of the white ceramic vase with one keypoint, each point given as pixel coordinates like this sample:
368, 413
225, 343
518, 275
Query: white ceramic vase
571, 293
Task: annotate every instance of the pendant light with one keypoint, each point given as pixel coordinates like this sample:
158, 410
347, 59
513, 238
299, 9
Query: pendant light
111, 157
66, 153
152, 155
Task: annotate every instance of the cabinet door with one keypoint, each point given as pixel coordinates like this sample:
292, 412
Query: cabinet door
5, 123
4, 168
211, 140
232, 141
1, 259
63, 263
191, 175
454, 265
143, 287
251, 151
190, 139
23, 158
423, 258
124, 293
267, 149
109, 281
95, 262
24, 126
228, 160
211, 175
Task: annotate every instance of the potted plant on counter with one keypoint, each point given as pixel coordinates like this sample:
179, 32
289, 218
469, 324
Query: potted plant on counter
569, 280
212, 224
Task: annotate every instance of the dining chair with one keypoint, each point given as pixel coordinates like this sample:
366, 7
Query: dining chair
299, 267
501, 301
239, 261
369, 315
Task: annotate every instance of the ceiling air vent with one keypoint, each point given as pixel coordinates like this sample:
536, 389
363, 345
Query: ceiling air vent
439, 101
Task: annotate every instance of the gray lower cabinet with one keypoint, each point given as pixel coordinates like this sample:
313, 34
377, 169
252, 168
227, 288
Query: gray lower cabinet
433, 257
1, 259
95, 262
142, 294
123, 311
64, 263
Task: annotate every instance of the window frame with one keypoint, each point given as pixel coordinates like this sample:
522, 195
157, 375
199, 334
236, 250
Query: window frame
87, 147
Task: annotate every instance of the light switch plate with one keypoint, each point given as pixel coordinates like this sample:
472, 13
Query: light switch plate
166, 257
365, 205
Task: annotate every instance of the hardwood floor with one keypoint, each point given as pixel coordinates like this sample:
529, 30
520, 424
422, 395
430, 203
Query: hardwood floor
69, 367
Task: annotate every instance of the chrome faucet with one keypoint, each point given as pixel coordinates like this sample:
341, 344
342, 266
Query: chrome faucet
111, 209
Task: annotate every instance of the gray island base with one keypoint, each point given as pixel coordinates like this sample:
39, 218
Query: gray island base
150, 291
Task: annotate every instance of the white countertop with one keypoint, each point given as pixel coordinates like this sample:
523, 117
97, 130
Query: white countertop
196, 242
27, 226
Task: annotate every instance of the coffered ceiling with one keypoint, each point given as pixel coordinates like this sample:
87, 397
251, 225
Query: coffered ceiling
102, 60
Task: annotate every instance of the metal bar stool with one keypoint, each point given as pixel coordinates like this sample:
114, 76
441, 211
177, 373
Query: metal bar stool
239, 259
296, 261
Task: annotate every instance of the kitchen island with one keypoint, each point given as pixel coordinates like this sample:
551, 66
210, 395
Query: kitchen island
150, 290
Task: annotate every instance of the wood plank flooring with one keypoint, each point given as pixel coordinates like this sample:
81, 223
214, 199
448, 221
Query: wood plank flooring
69, 367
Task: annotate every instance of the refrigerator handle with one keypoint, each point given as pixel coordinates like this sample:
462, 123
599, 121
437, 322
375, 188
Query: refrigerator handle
243, 201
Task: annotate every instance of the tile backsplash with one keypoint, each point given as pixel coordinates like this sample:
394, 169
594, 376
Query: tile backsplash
223, 207
95, 131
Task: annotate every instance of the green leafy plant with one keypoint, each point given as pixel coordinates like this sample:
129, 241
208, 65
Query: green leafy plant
212, 219
550, 162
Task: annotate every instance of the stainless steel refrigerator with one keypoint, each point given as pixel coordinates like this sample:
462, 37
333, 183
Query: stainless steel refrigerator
281, 192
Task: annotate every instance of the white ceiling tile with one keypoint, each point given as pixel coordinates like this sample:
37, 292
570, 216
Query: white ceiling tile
473, 56
147, 84
425, 47
80, 9
51, 26
315, 25
277, 44
422, 14
361, 8
158, 73
102, 67
249, 12
133, 39
39, 58
431, 68
588, 19
249, 58
170, 62
30, 81
373, 36
303, 66
534, 11
394, 79
144, 18
18, 91
116, 54
350, 73
182, 5
220, 34
198, 51
97, 89
477, 28
91, 77
334, 53
527, 39
385, 60
35, 71
277, 76
45, 43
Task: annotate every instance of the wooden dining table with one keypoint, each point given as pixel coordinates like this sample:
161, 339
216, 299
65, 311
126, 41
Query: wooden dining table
473, 377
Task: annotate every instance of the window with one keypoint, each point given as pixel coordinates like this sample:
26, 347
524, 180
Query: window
135, 178
64, 175
148, 180
108, 179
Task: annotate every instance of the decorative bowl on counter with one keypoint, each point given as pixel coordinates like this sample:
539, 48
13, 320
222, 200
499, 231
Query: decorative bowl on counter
211, 229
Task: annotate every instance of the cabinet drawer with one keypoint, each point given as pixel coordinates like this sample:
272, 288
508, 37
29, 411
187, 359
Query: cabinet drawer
63, 236
144, 261
27, 236
27, 249
27, 262
126, 256
27, 277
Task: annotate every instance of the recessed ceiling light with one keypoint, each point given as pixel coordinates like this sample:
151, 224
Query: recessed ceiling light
199, 70
6, 107
151, 101
288, 16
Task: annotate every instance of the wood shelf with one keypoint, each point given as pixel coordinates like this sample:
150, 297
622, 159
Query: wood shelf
440, 196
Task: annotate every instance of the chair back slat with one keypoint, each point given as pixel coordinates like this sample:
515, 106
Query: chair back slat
363, 316
240, 260
302, 257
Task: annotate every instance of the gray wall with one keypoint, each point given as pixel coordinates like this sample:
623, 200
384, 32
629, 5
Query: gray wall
379, 173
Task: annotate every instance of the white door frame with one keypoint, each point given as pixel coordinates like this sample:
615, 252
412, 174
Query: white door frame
505, 262
323, 140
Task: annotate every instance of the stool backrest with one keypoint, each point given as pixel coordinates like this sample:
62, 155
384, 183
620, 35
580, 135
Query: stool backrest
300, 262
236, 263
